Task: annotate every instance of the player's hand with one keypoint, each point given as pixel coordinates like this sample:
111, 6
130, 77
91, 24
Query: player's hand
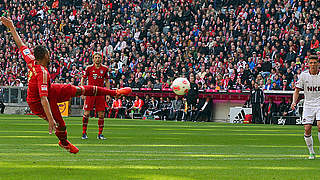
52, 126
83, 97
7, 22
293, 106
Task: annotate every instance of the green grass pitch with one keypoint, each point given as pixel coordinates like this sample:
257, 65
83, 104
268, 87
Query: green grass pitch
144, 149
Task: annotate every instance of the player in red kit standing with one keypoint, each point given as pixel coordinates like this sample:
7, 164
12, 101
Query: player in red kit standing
97, 75
42, 96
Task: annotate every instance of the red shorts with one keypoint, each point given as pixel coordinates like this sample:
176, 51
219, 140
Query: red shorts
95, 101
57, 93
37, 109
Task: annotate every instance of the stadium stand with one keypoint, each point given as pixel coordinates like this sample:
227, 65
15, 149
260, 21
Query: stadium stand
146, 44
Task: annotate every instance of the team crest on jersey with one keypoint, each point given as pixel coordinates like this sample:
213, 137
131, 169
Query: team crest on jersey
26, 51
44, 88
101, 71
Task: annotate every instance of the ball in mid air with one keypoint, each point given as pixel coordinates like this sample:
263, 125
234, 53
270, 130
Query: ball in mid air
180, 86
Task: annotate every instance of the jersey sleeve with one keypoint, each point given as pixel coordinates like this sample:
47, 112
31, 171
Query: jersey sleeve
27, 55
43, 83
300, 82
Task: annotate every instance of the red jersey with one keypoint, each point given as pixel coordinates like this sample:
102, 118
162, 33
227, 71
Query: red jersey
117, 103
138, 103
96, 76
38, 77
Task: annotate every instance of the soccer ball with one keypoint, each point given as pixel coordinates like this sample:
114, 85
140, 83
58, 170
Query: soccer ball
180, 86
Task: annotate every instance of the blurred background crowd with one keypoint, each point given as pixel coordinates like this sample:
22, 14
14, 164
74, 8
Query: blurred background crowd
222, 44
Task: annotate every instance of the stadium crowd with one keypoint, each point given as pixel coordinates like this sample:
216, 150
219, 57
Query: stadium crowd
223, 44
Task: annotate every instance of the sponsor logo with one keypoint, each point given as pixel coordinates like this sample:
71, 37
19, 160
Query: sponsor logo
240, 117
299, 121
26, 52
282, 121
313, 88
44, 88
62, 107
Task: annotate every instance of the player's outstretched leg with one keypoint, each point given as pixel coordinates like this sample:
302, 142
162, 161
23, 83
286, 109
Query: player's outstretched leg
101, 91
123, 91
63, 92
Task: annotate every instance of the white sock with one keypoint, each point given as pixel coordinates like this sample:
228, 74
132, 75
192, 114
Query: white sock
309, 142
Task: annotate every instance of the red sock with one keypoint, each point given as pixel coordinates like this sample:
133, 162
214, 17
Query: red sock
96, 91
85, 120
101, 125
61, 133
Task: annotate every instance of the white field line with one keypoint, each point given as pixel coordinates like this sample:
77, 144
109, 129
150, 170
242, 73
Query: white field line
161, 145
161, 159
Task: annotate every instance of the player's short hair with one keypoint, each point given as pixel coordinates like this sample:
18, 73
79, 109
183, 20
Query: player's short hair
96, 53
40, 52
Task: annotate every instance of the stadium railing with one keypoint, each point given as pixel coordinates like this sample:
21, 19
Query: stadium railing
18, 95
15, 99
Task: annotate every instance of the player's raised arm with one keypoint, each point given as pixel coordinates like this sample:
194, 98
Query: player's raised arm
9, 24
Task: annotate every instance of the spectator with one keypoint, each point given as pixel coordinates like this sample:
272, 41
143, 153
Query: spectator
176, 108
153, 106
268, 85
116, 106
195, 36
204, 110
137, 105
270, 110
161, 111
284, 107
